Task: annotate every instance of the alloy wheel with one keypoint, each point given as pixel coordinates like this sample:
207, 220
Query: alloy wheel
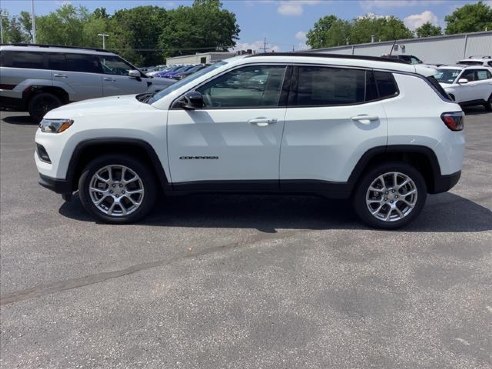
116, 190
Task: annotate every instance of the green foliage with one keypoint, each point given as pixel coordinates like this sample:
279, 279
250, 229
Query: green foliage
382, 28
63, 27
204, 26
135, 33
469, 18
331, 31
428, 29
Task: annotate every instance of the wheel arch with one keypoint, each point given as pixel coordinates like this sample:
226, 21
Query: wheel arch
33, 90
421, 157
88, 150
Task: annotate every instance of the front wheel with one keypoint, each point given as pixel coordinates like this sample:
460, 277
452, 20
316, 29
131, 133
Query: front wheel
390, 196
117, 189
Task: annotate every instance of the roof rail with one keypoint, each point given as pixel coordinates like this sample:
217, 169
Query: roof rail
333, 56
59, 46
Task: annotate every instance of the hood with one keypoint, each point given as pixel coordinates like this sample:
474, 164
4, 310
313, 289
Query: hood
161, 82
116, 104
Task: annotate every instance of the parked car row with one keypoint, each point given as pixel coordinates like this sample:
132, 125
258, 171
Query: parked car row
178, 72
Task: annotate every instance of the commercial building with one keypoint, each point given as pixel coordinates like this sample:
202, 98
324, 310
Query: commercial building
200, 58
446, 49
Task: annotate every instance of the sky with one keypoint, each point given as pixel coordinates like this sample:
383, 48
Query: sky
281, 23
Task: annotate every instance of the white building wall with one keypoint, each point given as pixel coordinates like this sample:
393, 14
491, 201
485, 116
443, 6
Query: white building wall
432, 50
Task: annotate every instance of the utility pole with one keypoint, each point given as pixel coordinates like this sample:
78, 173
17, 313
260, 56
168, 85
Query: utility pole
33, 23
103, 35
1, 27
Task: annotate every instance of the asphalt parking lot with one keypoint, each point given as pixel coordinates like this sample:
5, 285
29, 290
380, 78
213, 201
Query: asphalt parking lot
244, 282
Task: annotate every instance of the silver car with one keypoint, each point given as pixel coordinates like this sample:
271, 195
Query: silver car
38, 78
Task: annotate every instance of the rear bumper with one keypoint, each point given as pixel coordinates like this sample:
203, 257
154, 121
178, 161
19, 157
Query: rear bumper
446, 182
60, 186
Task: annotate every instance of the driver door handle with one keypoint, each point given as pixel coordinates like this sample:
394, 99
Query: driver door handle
365, 119
60, 75
109, 79
262, 122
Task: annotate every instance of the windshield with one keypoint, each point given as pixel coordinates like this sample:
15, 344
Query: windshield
184, 81
447, 75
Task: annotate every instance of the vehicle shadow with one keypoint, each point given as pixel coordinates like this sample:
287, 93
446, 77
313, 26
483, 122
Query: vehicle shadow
443, 213
18, 119
475, 110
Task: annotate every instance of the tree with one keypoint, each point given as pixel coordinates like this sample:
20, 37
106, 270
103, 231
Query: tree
26, 24
329, 31
63, 26
382, 28
469, 18
204, 26
135, 33
428, 29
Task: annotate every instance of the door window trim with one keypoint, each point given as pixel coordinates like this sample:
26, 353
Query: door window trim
284, 90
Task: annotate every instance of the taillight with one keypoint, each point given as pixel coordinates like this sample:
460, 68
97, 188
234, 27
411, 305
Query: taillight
454, 120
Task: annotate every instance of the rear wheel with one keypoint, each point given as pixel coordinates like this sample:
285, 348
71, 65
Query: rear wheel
42, 103
117, 189
390, 196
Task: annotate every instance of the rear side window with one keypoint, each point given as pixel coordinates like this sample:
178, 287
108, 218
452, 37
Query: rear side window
386, 84
328, 86
325, 86
24, 59
83, 63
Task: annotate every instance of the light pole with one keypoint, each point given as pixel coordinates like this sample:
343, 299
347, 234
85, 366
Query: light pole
103, 35
33, 23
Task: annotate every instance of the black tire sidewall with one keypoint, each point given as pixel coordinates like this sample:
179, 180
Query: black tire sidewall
143, 172
34, 100
359, 198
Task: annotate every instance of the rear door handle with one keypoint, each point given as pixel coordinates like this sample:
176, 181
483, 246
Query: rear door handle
109, 79
365, 119
60, 75
262, 122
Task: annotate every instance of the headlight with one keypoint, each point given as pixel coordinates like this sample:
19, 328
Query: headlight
55, 125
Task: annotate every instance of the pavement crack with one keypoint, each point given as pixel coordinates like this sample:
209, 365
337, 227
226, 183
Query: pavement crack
69, 284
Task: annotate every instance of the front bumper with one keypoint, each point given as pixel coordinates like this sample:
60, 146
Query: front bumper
57, 185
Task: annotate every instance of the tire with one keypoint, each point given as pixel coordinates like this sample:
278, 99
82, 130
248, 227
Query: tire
42, 103
381, 204
488, 104
105, 186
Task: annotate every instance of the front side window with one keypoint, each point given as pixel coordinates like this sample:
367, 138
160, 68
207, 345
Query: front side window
469, 75
247, 87
82, 63
115, 66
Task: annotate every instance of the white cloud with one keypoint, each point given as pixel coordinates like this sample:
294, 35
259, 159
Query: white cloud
385, 4
301, 37
294, 7
256, 46
416, 20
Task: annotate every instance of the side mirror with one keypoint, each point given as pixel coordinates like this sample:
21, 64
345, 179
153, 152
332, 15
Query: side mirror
192, 100
462, 81
134, 73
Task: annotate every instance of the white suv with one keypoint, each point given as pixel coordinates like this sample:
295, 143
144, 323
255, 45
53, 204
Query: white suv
340, 126
467, 85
